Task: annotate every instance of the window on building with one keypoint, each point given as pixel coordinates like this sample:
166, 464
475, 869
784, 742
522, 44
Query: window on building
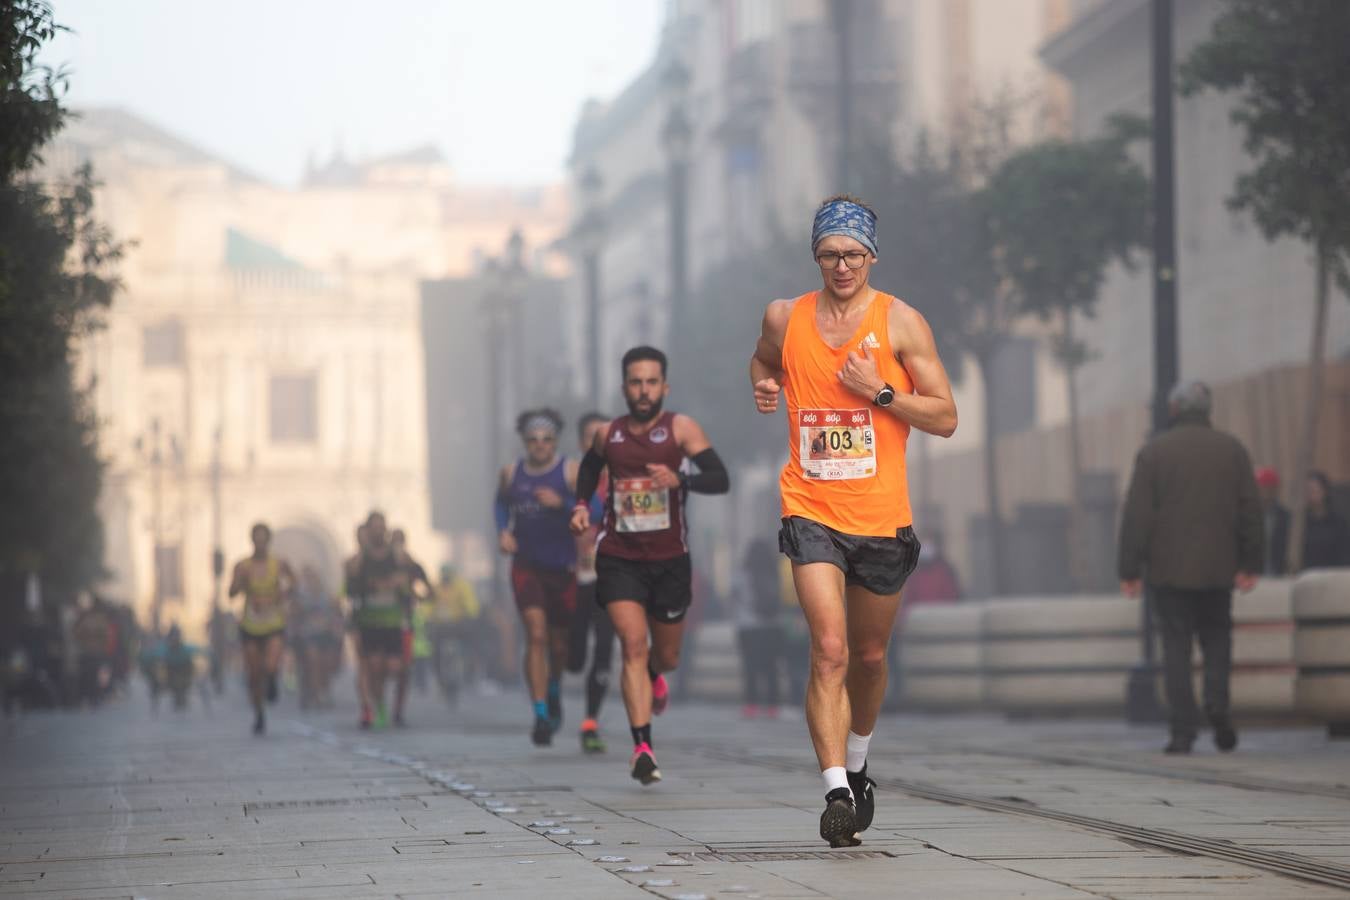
293, 409
162, 344
169, 571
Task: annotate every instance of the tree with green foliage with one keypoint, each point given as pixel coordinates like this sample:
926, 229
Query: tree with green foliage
1288, 66
1060, 213
935, 242
55, 277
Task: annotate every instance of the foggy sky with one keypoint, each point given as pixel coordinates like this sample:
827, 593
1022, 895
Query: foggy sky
497, 86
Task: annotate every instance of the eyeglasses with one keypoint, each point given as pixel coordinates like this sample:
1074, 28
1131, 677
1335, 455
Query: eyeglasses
541, 439
854, 259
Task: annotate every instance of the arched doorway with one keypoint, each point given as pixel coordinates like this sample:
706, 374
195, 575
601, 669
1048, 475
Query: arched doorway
306, 546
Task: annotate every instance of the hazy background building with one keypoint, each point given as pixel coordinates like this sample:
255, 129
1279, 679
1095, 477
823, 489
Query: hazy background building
736, 123
264, 360
366, 336
757, 88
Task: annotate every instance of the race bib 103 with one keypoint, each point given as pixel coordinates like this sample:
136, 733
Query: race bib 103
836, 444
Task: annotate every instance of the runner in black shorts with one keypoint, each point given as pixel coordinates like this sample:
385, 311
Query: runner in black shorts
589, 616
642, 559
379, 589
859, 369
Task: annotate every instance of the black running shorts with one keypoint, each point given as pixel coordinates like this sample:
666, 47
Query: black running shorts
381, 642
663, 586
875, 564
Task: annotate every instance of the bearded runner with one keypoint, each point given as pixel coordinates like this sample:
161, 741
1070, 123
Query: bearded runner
642, 561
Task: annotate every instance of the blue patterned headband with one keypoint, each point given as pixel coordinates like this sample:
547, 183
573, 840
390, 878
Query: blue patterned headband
540, 423
849, 219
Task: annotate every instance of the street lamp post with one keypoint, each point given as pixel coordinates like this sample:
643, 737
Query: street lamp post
217, 553
513, 298
1142, 696
157, 505
590, 236
151, 448
677, 136
505, 281
495, 311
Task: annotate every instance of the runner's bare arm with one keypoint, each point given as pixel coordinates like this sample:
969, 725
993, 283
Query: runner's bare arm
930, 408
570, 470
766, 364
237, 579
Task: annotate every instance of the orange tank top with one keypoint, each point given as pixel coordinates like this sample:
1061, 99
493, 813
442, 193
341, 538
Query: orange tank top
846, 456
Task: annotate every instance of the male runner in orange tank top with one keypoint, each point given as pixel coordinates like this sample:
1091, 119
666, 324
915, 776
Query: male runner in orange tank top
859, 368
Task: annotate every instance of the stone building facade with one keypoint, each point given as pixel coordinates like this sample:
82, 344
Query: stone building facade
264, 360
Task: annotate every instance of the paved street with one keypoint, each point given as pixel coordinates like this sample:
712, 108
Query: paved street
119, 804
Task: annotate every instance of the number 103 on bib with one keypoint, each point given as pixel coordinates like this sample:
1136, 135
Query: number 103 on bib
836, 443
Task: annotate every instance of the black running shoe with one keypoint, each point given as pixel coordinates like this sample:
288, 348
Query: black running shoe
1179, 745
839, 821
542, 735
1225, 738
863, 798
259, 724
643, 767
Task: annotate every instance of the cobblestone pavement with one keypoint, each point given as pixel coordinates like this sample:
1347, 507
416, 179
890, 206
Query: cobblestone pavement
117, 803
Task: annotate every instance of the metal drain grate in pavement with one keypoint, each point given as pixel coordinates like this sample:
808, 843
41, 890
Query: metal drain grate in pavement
781, 855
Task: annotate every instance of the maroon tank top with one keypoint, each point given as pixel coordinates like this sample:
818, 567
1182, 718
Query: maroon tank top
642, 521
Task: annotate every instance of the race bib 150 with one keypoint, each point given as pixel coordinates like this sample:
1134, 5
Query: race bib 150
836, 443
639, 505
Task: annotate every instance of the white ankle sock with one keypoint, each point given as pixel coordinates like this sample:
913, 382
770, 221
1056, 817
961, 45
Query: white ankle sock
835, 777
856, 751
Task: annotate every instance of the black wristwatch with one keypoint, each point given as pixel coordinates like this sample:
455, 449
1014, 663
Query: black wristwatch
884, 396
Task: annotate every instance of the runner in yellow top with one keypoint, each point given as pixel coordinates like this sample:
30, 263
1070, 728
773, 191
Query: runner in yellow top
266, 583
859, 369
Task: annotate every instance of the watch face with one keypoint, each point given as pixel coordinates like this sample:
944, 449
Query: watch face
885, 396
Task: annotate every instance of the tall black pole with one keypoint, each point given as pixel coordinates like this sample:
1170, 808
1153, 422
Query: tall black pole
217, 557
496, 399
592, 264
1142, 700
1164, 217
157, 502
679, 244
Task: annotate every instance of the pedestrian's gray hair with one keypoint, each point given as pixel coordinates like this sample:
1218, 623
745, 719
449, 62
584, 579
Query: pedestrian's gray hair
1190, 397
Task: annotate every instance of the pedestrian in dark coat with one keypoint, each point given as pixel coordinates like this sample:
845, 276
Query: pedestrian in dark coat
1192, 530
